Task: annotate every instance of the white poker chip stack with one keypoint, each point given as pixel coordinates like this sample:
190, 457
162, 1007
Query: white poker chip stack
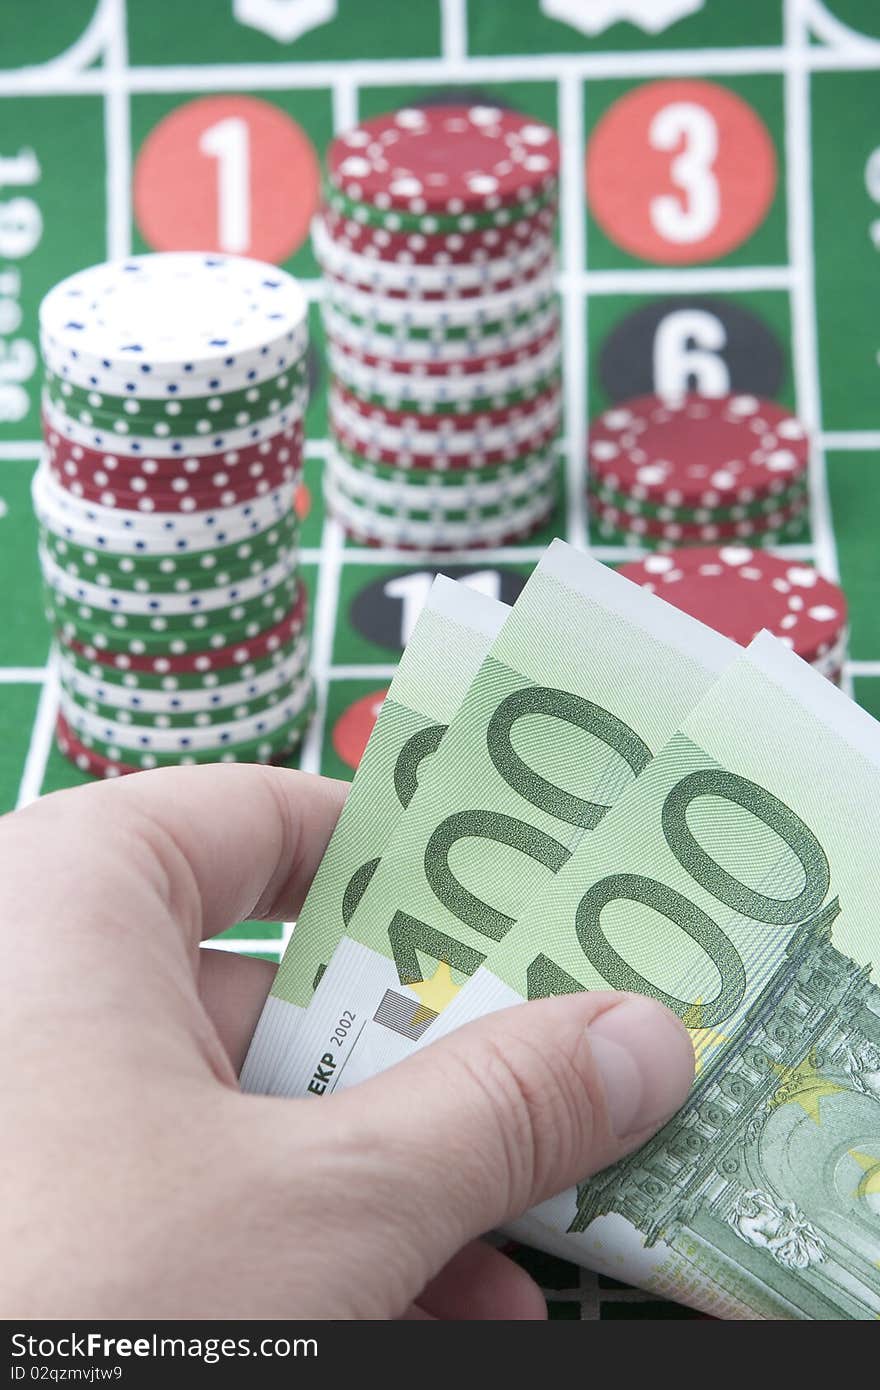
175, 390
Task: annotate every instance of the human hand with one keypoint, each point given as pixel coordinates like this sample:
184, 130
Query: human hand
137, 1180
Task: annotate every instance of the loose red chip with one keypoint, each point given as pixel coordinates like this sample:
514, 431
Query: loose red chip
700, 451
445, 159
739, 591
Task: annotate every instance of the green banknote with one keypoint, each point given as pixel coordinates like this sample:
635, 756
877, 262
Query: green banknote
452, 635
587, 677
735, 883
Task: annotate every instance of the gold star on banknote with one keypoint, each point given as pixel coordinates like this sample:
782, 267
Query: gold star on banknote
702, 1037
803, 1085
434, 993
869, 1185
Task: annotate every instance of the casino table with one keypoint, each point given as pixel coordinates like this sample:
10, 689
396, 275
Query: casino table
731, 246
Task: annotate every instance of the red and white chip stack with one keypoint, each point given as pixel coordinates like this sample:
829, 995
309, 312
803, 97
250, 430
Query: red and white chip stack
697, 470
437, 242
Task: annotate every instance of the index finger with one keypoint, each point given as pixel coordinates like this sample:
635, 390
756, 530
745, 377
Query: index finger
243, 839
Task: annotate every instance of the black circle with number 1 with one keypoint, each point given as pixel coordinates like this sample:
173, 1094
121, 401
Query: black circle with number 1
385, 610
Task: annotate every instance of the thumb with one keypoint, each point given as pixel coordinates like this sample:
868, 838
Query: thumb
514, 1108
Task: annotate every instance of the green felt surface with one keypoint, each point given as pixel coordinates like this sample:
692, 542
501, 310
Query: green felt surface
809, 272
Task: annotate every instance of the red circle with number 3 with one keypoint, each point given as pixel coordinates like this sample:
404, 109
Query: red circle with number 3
680, 172
233, 174
352, 729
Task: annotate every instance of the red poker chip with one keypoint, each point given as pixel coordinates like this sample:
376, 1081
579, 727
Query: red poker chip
696, 531
444, 425
512, 282
475, 458
445, 159
698, 452
151, 500
76, 461
87, 759
437, 248
466, 366
739, 591
197, 663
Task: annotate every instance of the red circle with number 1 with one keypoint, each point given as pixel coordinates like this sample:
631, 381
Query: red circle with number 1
680, 172
352, 729
233, 174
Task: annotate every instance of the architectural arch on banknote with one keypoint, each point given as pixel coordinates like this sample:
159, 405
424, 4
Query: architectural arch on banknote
772, 1175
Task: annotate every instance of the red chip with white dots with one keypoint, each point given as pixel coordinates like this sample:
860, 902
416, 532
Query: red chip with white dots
437, 248
699, 451
739, 591
445, 160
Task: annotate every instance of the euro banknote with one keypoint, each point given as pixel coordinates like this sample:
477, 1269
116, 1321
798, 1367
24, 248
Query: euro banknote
451, 637
587, 677
735, 882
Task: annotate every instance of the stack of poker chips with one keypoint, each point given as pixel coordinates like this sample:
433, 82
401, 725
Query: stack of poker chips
437, 244
173, 423
739, 591
698, 470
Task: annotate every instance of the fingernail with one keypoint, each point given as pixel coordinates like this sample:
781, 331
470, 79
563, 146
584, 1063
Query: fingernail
645, 1061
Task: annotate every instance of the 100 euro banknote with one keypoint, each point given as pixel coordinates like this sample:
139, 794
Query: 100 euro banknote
588, 676
452, 635
735, 882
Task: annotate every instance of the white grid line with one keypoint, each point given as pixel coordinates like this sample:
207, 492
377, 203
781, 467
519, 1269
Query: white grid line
511, 555
23, 675
236, 944
110, 40
800, 242
380, 72
21, 451
453, 32
40, 743
354, 672
691, 280
855, 440
117, 134
323, 633
345, 115
88, 47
